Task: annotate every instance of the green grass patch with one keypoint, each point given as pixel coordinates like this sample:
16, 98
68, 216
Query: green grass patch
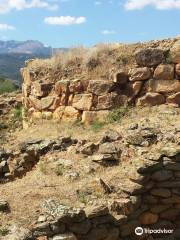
97, 125
117, 114
17, 113
4, 231
7, 86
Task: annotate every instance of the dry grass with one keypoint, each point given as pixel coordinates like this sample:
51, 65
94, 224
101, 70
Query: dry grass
100, 61
26, 195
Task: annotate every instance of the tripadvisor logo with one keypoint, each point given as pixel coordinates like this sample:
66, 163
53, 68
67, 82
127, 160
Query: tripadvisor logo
139, 231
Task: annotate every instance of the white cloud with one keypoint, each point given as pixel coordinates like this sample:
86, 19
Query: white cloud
108, 32
4, 26
9, 5
64, 20
158, 4
97, 3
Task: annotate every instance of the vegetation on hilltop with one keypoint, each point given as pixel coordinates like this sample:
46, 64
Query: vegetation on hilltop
7, 85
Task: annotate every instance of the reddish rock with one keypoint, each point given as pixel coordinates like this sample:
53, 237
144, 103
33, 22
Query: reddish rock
76, 86
111, 100
175, 98
83, 102
41, 89
139, 74
62, 87
100, 87
70, 99
89, 117
164, 72
163, 86
42, 104
148, 218
136, 87
175, 52
58, 113
70, 114
151, 99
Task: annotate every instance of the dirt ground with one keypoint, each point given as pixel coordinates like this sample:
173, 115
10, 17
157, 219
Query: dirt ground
26, 195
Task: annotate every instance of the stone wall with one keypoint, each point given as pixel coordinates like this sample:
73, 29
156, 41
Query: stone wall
153, 80
152, 201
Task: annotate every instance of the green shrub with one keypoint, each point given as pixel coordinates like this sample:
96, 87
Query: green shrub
116, 114
17, 113
4, 231
97, 125
6, 86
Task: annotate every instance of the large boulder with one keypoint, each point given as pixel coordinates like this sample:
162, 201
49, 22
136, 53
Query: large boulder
139, 74
58, 113
151, 99
76, 86
163, 86
88, 117
61, 87
175, 52
111, 100
43, 103
175, 98
70, 114
40, 89
100, 87
164, 71
83, 101
149, 57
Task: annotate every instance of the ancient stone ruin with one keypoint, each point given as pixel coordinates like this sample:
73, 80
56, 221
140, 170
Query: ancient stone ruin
124, 184
154, 79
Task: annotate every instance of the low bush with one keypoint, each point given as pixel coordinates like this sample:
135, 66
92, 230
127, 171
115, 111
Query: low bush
116, 114
7, 86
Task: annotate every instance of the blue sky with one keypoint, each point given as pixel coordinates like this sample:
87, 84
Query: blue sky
66, 23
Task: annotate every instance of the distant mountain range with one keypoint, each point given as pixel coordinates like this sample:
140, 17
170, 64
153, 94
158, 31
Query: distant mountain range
14, 53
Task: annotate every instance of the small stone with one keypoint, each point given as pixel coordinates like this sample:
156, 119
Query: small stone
160, 208
65, 236
170, 214
148, 218
95, 211
162, 175
161, 192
